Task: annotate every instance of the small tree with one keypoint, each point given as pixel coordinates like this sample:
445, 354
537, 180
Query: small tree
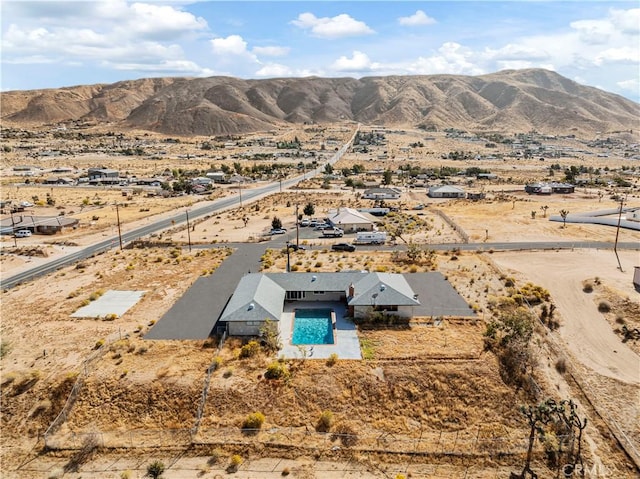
328, 169
564, 214
155, 469
276, 224
270, 335
387, 177
309, 209
544, 209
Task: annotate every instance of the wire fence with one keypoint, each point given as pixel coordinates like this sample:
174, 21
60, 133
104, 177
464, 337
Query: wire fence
452, 224
469, 442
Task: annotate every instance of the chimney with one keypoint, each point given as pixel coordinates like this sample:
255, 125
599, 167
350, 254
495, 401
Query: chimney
352, 290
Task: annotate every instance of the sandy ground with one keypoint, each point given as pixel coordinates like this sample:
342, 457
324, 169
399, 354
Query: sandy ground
585, 331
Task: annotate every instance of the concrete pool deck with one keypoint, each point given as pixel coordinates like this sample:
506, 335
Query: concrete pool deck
346, 345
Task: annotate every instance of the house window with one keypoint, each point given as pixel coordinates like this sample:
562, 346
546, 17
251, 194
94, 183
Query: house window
295, 295
385, 308
317, 293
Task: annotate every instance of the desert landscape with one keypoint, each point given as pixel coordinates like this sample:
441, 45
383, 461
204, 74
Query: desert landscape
555, 309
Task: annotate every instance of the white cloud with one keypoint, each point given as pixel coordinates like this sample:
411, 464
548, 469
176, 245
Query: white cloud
632, 85
340, 26
418, 18
618, 55
272, 51
358, 62
626, 21
274, 70
451, 58
514, 52
233, 44
161, 22
167, 67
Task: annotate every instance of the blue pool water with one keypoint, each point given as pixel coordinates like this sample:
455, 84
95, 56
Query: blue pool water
312, 326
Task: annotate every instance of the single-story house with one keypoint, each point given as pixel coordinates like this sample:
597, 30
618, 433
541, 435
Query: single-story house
46, 225
261, 296
381, 194
548, 188
446, 191
102, 173
350, 220
59, 181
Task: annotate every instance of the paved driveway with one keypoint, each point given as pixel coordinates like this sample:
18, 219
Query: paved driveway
194, 315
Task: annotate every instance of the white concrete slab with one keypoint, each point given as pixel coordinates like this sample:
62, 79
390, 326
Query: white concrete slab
346, 346
111, 302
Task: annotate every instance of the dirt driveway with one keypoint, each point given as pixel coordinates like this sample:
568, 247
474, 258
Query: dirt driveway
585, 331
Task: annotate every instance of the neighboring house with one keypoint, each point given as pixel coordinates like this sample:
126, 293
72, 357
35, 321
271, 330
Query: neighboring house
381, 194
636, 277
154, 182
350, 220
60, 181
486, 176
97, 174
217, 176
201, 180
549, 188
46, 225
446, 191
261, 296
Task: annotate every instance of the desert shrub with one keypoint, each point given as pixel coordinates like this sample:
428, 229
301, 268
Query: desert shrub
125, 474
99, 344
234, 463
345, 434
588, 287
110, 317
325, 421
561, 365
276, 370
96, 294
5, 348
332, 359
250, 349
255, 420
286, 471
155, 469
604, 307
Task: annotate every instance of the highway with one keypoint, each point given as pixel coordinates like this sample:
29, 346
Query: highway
245, 196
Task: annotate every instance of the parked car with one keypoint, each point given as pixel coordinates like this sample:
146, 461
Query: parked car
343, 247
278, 231
296, 247
305, 222
23, 233
332, 233
322, 226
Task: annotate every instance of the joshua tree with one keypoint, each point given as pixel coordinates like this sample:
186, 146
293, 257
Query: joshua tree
564, 214
544, 210
276, 223
533, 215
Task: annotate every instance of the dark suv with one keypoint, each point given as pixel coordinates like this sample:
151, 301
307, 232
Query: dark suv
343, 247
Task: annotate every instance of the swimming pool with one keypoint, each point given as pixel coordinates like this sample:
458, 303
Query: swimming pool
312, 326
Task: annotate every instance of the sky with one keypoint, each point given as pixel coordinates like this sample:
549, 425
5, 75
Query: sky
50, 44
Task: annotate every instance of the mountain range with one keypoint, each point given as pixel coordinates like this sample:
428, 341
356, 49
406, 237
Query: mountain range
506, 101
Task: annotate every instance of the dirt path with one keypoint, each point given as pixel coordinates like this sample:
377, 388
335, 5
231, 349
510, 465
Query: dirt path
584, 329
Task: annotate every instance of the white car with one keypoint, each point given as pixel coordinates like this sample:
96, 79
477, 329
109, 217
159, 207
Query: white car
23, 233
26, 204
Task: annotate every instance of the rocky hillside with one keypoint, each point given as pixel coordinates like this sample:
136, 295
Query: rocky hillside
511, 100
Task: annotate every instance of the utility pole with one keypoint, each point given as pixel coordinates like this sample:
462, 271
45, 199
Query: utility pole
119, 230
288, 259
615, 245
297, 228
13, 230
188, 229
